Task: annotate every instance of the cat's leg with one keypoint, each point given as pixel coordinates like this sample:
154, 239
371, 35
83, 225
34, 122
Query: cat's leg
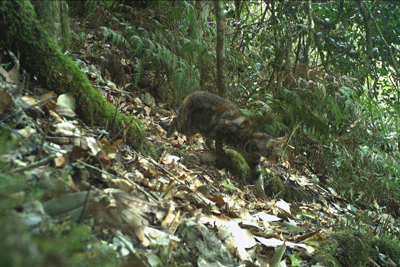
256, 176
219, 147
209, 143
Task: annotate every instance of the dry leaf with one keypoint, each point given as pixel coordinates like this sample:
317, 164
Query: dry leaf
50, 104
15, 75
59, 162
5, 101
67, 100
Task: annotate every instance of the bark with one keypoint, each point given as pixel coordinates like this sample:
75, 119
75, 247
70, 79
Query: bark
310, 34
220, 47
65, 41
40, 55
47, 13
363, 72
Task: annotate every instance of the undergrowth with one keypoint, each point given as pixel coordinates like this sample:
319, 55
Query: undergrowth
336, 127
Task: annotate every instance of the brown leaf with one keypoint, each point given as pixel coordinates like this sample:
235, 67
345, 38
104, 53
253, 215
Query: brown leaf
147, 109
5, 101
59, 162
15, 75
118, 143
5, 74
107, 146
104, 160
50, 104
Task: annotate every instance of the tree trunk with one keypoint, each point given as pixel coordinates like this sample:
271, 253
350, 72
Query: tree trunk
310, 34
219, 16
363, 72
65, 40
39, 54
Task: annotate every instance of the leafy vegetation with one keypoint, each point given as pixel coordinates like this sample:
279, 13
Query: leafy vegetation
324, 72
318, 70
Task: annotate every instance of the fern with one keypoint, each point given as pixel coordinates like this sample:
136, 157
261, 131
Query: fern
137, 74
137, 43
116, 38
152, 48
325, 107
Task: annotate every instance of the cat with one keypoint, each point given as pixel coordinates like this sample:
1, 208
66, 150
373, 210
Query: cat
215, 118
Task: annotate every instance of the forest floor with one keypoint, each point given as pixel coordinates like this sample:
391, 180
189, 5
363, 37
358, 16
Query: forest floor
72, 196
66, 181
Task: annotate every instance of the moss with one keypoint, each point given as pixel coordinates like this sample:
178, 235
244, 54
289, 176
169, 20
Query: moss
325, 255
388, 246
148, 150
345, 248
235, 163
238, 167
273, 184
57, 245
42, 57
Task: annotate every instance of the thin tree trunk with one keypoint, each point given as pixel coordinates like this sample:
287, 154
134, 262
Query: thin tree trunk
220, 47
310, 34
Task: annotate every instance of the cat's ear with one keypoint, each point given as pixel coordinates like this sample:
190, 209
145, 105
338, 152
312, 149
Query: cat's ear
276, 142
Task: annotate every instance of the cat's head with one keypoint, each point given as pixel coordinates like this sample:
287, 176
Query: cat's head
268, 146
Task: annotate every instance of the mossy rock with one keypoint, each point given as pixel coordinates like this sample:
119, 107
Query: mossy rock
235, 163
272, 183
42, 58
345, 248
388, 246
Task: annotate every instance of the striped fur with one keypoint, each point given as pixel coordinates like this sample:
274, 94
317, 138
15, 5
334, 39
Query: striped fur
218, 119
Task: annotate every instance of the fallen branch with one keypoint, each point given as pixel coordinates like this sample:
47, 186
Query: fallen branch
36, 164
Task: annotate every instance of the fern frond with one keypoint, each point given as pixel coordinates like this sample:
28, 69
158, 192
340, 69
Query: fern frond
117, 39
137, 44
137, 74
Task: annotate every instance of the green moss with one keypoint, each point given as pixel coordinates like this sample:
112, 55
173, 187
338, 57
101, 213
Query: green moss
238, 167
6, 142
148, 150
42, 57
273, 184
324, 255
345, 248
235, 163
57, 245
389, 246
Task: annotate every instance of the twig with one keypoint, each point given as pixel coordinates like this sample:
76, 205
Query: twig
20, 136
46, 131
84, 206
25, 109
156, 164
112, 175
36, 164
111, 89
123, 129
116, 112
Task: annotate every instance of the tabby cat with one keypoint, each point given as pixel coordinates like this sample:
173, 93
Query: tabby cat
216, 118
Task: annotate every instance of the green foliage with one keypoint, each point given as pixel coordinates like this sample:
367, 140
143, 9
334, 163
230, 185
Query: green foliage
273, 184
237, 164
170, 50
166, 63
388, 246
354, 249
116, 38
324, 110
290, 77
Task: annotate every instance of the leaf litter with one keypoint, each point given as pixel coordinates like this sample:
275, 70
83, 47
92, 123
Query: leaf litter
171, 211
